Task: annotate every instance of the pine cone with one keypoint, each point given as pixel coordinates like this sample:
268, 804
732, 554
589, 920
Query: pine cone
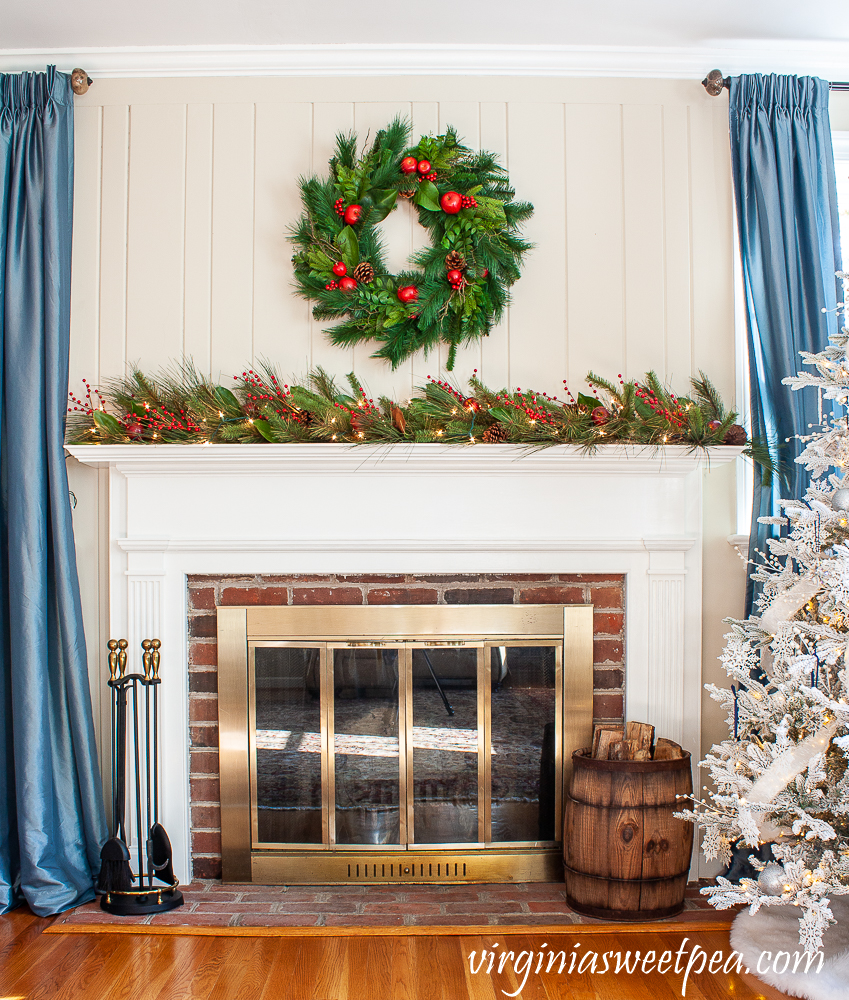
404, 193
736, 435
455, 261
494, 434
364, 273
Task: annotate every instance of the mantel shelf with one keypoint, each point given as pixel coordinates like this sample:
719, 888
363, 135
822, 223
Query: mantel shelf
405, 459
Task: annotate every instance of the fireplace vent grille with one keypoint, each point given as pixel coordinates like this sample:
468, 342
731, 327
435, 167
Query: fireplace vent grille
445, 870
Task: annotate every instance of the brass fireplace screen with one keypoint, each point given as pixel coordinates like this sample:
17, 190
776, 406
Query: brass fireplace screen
388, 744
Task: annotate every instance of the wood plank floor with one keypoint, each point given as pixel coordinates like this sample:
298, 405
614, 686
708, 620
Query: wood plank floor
370, 966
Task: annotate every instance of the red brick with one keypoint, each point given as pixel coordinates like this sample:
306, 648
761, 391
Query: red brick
334, 906
608, 706
519, 577
204, 761
591, 577
327, 595
178, 918
202, 598
263, 894
206, 790
436, 894
203, 682
203, 626
394, 907
206, 818
455, 578
454, 920
605, 680
206, 843
488, 595
608, 622
548, 906
607, 597
296, 578
206, 867
203, 709
553, 595
243, 907
607, 651
397, 595
502, 906
237, 596
203, 654
373, 578
204, 736
361, 920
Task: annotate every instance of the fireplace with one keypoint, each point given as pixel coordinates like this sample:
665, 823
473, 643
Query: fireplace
177, 513
399, 743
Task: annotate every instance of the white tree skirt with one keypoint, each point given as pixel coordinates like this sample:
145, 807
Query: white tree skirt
776, 929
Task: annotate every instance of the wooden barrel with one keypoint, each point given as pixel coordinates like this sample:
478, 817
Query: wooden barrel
625, 855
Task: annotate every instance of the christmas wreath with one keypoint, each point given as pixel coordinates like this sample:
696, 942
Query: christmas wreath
458, 285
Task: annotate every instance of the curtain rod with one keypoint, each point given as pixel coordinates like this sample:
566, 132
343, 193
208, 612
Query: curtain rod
714, 83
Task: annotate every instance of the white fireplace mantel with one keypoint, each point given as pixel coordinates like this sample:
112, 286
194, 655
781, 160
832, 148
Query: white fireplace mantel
176, 510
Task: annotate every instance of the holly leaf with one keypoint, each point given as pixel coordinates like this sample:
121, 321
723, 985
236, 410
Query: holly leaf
107, 423
589, 401
427, 197
262, 426
349, 247
500, 413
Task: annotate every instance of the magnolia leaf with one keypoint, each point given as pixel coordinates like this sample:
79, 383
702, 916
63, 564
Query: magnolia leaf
226, 398
500, 413
589, 401
427, 197
264, 429
349, 247
384, 200
107, 423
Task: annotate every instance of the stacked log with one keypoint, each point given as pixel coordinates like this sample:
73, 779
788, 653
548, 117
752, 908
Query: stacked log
632, 742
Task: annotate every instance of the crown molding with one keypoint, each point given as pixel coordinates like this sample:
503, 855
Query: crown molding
827, 59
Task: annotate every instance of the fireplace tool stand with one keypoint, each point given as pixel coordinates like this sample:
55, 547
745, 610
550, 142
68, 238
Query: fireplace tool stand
155, 889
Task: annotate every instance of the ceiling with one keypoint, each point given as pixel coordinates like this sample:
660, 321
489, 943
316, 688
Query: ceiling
63, 24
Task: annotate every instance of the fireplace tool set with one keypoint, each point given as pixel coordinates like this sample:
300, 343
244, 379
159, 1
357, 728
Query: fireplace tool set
154, 888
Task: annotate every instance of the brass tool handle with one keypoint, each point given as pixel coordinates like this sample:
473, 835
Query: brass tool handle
122, 658
146, 645
112, 646
155, 645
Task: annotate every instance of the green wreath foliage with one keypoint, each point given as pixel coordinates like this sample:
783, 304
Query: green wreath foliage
484, 235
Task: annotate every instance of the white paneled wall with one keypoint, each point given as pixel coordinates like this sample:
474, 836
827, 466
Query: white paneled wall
185, 190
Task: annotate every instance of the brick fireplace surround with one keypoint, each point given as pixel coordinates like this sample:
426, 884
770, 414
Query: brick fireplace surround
205, 594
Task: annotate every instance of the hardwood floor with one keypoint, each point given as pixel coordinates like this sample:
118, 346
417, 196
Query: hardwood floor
369, 966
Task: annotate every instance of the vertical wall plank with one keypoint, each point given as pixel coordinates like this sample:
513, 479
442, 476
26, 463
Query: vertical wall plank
377, 376
642, 171
425, 122
85, 287
594, 233
495, 349
713, 291
112, 340
155, 230
281, 318
232, 239
328, 121
535, 133
677, 347
198, 238
465, 117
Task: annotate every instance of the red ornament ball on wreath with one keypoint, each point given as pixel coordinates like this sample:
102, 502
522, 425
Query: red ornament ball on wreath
471, 404
455, 277
347, 284
409, 293
600, 416
451, 202
135, 430
340, 268
353, 214
409, 165
423, 166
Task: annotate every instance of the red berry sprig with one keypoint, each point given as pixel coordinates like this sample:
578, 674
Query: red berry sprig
331, 286
339, 206
468, 201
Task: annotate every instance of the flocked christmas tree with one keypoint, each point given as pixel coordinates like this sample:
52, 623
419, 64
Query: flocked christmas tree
782, 776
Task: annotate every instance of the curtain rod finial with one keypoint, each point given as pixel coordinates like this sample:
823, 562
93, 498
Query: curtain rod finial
714, 82
80, 81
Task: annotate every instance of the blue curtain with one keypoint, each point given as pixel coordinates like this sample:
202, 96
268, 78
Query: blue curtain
783, 168
52, 823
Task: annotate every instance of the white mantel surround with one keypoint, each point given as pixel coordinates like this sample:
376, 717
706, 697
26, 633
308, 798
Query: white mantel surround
177, 510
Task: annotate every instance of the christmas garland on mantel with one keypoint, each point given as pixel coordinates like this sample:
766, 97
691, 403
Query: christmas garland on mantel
183, 407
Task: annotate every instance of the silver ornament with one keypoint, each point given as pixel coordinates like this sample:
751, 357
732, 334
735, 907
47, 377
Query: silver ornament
772, 879
840, 499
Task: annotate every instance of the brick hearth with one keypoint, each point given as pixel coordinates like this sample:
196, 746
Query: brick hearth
604, 592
